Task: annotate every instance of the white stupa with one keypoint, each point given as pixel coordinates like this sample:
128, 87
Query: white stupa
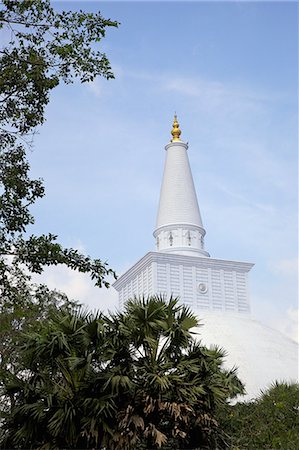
216, 289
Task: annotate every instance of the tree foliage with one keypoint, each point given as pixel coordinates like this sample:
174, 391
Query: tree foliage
41, 48
270, 421
136, 379
45, 47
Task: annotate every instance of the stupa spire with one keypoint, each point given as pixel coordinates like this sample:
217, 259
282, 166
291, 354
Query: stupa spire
176, 132
179, 226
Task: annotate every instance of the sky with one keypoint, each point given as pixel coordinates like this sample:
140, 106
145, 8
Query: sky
229, 70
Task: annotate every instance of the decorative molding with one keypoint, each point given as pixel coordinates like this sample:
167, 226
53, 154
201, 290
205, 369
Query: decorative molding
163, 257
202, 288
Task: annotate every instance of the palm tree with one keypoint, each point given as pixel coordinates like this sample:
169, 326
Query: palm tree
59, 391
171, 387
135, 379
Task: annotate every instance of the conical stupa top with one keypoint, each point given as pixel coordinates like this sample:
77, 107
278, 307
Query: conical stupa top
179, 223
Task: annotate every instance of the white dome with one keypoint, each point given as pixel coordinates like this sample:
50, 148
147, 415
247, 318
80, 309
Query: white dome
261, 353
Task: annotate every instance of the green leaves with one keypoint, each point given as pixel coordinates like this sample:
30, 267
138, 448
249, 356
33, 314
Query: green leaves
18, 191
92, 381
46, 47
269, 422
37, 252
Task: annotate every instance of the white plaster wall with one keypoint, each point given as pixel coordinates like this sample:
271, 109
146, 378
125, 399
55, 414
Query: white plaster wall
226, 290
201, 283
141, 283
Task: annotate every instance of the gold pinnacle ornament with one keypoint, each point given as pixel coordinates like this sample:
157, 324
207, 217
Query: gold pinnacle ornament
176, 132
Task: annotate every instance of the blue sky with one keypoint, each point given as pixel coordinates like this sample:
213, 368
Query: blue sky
229, 70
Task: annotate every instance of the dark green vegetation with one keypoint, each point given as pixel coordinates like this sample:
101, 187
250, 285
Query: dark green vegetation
131, 380
269, 422
134, 380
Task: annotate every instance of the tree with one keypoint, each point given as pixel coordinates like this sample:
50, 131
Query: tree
175, 384
130, 380
270, 421
45, 48
42, 48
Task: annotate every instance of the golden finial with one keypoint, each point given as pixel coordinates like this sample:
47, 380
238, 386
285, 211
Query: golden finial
176, 132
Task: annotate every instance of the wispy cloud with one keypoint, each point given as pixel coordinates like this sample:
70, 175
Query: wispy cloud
98, 86
95, 87
287, 267
78, 286
288, 323
212, 93
243, 200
